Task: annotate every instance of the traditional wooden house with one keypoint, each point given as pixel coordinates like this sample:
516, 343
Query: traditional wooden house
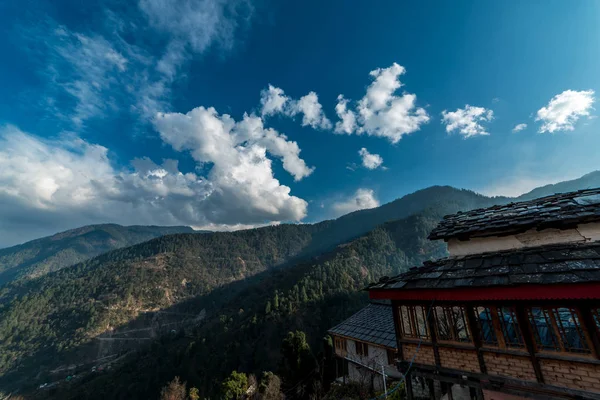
514, 311
365, 343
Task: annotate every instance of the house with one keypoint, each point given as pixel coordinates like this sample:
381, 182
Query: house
514, 311
366, 345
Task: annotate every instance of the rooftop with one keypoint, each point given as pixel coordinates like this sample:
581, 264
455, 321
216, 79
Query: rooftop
373, 324
543, 265
555, 211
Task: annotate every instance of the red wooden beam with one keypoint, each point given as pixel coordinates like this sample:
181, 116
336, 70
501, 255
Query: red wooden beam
522, 292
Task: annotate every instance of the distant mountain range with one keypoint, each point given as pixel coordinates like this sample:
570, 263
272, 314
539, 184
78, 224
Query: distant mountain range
40, 256
255, 284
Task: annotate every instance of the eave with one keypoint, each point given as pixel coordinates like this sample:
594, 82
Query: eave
579, 291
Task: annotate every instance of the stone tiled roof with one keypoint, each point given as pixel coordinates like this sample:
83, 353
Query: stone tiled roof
540, 265
373, 324
558, 210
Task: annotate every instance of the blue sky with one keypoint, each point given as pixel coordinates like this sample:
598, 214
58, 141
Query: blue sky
96, 96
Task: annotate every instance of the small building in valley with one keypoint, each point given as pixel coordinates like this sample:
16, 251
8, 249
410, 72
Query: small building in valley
365, 345
513, 312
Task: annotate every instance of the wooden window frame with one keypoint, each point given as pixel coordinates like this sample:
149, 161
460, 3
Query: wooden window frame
362, 348
558, 330
493, 329
515, 324
341, 344
392, 356
413, 316
447, 310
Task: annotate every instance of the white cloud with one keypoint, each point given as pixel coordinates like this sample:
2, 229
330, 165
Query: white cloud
86, 68
370, 161
519, 128
50, 185
347, 123
381, 112
274, 101
467, 121
198, 23
312, 111
104, 73
564, 109
362, 199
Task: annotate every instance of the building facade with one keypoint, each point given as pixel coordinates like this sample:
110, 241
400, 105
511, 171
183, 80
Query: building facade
514, 311
365, 344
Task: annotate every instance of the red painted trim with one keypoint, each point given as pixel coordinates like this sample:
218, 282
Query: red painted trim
523, 292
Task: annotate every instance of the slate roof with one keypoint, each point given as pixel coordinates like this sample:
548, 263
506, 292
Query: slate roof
540, 265
372, 324
559, 210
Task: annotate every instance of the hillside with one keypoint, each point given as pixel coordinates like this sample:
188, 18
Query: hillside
53, 320
245, 333
40, 256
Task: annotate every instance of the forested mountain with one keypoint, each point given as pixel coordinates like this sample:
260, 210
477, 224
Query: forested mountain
52, 320
40, 256
246, 331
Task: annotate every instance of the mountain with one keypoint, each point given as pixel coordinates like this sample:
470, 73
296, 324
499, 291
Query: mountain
591, 180
245, 332
68, 316
38, 257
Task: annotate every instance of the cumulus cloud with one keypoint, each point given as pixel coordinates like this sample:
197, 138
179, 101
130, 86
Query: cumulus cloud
519, 128
467, 121
362, 199
347, 122
312, 111
564, 109
50, 185
274, 101
382, 112
370, 161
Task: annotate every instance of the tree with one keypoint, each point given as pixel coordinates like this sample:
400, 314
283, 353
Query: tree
235, 386
298, 362
175, 390
194, 394
270, 387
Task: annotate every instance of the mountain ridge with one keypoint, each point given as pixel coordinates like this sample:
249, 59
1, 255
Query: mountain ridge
50, 253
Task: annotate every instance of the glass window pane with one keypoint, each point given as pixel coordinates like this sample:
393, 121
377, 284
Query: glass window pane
543, 331
486, 327
421, 321
460, 324
510, 327
571, 333
443, 325
405, 322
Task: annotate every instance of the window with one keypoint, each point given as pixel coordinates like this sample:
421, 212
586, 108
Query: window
413, 322
510, 327
558, 329
340, 344
451, 324
487, 332
391, 357
362, 349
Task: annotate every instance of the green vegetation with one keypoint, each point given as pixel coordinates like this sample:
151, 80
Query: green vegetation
38, 257
255, 285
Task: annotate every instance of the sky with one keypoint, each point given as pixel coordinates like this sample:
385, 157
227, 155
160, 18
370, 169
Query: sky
234, 114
